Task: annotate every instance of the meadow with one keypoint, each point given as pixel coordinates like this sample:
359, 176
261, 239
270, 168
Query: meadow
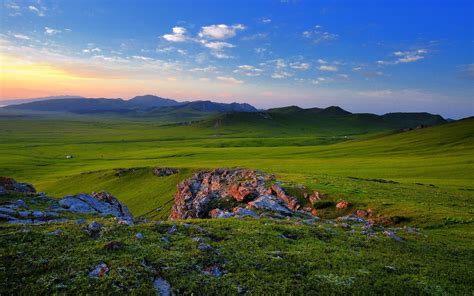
421, 178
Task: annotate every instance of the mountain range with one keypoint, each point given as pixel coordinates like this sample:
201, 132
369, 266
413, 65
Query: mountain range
147, 103
236, 115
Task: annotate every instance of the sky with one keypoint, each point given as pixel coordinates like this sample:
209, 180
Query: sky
365, 56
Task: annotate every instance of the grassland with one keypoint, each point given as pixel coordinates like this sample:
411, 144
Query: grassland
432, 170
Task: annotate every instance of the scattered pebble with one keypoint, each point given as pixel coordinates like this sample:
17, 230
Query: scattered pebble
162, 287
57, 232
99, 271
172, 229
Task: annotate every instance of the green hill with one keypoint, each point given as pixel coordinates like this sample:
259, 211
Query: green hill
332, 121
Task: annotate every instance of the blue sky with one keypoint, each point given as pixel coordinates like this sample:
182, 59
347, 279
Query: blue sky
365, 56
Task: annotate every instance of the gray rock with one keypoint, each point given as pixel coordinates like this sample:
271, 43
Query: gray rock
21, 203
7, 211
139, 236
162, 287
62, 220
241, 212
165, 240
21, 221
203, 247
98, 203
392, 235
270, 203
214, 271
197, 239
24, 214
99, 271
38, 214
57, 232
220, 214
94, 229
6, 217
172, 229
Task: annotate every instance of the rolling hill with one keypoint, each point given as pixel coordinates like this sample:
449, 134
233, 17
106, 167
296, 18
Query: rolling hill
329, 121
141, 105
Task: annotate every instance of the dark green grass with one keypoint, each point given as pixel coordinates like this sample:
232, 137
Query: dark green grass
322, 259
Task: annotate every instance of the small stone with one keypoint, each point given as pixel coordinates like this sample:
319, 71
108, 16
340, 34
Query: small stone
21, 203
99, 271
38, 214
172, 229
392, 235
197, 239
220, 214
7, 211
213, 271
241, 212
24, 214
162, 287
203, 247
342, 205
390, 269
6, 217
94, 229
139, 236
57, 232
165, 240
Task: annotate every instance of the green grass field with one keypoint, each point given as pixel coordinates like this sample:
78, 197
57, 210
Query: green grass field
432, 170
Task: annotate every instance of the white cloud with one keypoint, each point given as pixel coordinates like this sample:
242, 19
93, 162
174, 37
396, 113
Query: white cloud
220, 31
229, 79
321, 61
409, 59
281, 75
208, 69
260, 50
405, 57
266, 21
142, 58
20, 36
248, 70
92, 50
328, 68
178, 35
218, 45
38, 11
300, 66
51, 31
220, 55
319, 36
12, 6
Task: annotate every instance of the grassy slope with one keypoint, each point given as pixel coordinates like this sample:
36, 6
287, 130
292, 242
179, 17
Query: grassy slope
323, 259
441, 156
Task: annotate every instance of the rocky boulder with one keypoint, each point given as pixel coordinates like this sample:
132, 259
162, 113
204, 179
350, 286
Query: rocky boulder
102, 203
224, 193
164, 172
9, 184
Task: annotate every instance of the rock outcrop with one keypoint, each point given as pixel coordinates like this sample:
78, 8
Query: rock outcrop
102, 203
164, 172
224, 193
10, 185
